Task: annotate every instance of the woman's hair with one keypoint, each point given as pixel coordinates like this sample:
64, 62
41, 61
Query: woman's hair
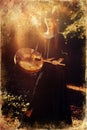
55, 23
56, 34
55, 31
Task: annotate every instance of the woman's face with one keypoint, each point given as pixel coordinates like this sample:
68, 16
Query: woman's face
49, 23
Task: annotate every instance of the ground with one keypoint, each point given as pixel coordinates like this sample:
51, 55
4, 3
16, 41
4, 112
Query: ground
77, 105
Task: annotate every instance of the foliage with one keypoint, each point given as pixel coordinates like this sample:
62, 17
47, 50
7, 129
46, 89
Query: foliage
74, 24
14, 106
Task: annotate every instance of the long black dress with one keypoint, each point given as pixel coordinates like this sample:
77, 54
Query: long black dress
49, 103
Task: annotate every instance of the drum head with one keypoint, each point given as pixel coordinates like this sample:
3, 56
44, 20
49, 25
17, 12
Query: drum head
28, 60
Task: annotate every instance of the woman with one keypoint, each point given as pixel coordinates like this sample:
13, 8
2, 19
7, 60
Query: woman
49, 102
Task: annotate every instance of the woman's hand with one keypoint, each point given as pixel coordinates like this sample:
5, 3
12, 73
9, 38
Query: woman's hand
55, 62
58, 62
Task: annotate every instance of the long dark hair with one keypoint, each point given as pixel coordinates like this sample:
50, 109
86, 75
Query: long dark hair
55, 29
